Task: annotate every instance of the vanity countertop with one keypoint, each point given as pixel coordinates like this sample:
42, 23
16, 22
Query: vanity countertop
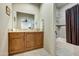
26, 31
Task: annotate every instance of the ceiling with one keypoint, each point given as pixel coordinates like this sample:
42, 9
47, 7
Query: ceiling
60, 5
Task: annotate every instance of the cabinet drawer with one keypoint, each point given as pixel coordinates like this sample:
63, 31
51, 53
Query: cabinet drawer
16, 35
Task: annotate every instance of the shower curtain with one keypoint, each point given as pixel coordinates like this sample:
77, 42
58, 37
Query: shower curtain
72, 25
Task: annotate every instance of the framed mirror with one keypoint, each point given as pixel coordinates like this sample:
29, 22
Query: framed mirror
25, 21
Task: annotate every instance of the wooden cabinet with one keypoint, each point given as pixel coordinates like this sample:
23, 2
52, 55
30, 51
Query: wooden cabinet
24, 41
16, 42
38, 36
29, 41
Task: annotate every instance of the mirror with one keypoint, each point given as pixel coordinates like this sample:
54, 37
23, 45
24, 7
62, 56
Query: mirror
25, 21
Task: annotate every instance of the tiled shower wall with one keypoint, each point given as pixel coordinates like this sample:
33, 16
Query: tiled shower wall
60, 25
61, 20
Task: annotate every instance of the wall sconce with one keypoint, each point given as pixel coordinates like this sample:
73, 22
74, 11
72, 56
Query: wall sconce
7, 10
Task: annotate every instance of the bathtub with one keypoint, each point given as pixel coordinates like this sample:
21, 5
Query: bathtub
66, 49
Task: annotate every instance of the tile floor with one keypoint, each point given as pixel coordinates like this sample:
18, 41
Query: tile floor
63, 48
37, 52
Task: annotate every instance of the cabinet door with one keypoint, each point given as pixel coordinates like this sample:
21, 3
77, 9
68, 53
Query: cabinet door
16, 42
38, 39
29, 41
16, 45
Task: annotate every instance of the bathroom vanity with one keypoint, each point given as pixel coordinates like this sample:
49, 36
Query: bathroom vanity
24, 34
24, 41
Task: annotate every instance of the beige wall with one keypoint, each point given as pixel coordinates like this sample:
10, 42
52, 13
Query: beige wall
46, 13
4, 19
